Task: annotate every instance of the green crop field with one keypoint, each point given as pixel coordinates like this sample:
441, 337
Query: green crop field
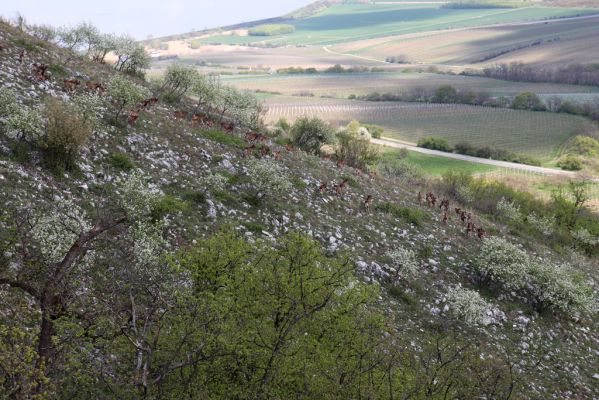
343, 85
556, 41
437, 166
350, 22
538, 134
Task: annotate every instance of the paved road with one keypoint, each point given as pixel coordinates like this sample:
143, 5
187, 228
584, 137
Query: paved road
502, 164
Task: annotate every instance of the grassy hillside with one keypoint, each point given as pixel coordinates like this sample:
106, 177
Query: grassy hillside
169, 259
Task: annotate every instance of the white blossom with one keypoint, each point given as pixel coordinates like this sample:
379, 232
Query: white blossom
137, 197
468, 305
543, 225
215, 182
56, 231
268, 177
405, 262
585, 237
509, 210
503, 262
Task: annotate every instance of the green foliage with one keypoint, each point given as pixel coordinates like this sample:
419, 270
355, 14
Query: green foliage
308, 315
66, 133
584, 146
121, 161
570, 163
411, 215
131, 55
446, 94
166, 205
271, 30
494, 153
404, 171
528, 101
356, 149
435, 143
309, 134
376, 131
194, 197
178, 80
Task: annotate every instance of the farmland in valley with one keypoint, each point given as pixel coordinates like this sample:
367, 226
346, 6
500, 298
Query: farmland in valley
554, 42
343, 85
538, 134
350, 22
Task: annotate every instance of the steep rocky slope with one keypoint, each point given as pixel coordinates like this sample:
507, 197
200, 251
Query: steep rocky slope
555, 355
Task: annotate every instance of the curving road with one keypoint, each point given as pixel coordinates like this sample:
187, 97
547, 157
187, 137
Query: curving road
502, 164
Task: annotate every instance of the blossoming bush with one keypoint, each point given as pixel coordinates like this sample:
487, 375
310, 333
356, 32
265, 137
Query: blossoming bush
559, 287
548, 286
215, 182
584, 237
509, 210
502, 262
541, 224
267, 177
55, 231
468, 305
25, 124
404, 261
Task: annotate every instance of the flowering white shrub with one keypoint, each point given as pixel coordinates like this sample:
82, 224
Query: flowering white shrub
57, 230
560, 288
543, 225
8, 102
547, 285
125, 93
24, 124
268, 177
464, 194
509, 210
137, 197
148, 243
468, 305
585, 237
404, 261
502, 262
90, 107
215, 182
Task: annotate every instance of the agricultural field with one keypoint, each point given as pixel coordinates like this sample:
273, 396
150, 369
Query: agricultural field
537, 134
437, 166
350, 22
344, 84
551, 42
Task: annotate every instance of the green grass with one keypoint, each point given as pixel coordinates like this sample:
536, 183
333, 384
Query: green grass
411, 215
437, 166
348, 22
223, 138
